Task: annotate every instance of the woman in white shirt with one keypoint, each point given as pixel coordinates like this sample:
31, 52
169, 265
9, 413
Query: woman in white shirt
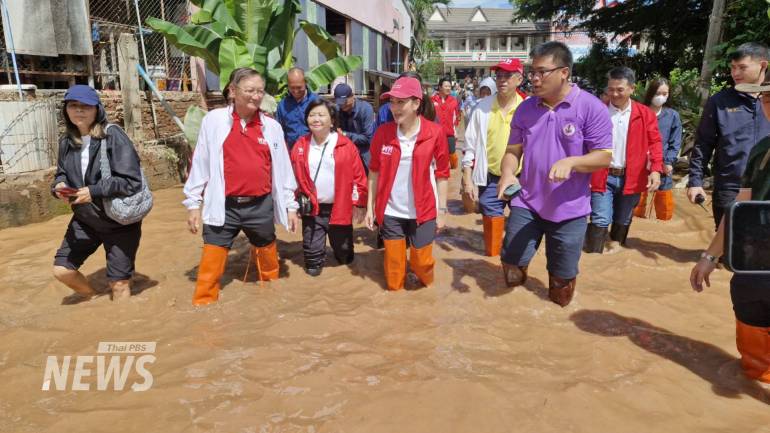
408, 176
332, 187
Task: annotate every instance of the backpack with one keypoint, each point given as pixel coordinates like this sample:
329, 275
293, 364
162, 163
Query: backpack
125, 210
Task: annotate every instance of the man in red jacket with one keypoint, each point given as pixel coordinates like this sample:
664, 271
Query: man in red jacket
637, 161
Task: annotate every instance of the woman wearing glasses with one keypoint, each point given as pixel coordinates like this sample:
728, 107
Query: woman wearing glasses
241, 176
332, 182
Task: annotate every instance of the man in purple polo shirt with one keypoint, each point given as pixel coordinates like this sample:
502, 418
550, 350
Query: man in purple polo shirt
564, 134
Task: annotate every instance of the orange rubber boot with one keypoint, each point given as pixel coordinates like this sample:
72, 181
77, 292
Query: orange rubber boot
267, 262
210, 270
754, 345
454, 160
421, 261
493, 234
395, 263
640, 211
664, 205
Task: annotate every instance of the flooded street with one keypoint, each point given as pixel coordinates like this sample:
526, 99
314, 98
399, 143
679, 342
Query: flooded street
636, 351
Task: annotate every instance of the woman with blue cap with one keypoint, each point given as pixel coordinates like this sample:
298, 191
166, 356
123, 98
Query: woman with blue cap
78, 181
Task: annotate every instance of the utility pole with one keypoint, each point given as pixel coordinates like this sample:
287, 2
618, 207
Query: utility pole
714, 35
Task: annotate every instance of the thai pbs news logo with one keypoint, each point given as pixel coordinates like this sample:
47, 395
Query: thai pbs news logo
111, 367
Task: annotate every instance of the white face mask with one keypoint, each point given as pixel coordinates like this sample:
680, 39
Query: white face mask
659, 100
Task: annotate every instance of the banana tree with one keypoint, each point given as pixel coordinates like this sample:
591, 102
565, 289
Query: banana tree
230, 34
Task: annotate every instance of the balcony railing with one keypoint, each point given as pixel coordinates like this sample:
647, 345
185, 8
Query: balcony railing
482, 56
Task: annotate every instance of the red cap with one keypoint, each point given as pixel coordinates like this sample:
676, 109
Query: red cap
404, 87
510, 65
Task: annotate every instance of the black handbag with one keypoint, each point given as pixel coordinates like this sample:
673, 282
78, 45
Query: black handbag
305, 205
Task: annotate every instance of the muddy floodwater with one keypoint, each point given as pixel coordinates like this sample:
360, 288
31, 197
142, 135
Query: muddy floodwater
636, 351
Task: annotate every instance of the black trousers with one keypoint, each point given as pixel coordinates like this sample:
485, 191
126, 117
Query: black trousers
255, 218
417, 235
721, 200
315, 230
751, 299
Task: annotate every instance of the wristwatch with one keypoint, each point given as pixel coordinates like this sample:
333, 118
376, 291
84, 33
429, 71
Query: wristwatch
709, 257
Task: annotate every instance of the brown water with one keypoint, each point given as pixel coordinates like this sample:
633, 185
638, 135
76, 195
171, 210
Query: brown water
636, 351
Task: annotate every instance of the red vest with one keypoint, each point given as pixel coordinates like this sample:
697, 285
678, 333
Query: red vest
386, 155
348, 172
643, 147
447, 112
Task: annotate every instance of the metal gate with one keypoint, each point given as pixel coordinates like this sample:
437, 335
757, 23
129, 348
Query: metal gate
28, 135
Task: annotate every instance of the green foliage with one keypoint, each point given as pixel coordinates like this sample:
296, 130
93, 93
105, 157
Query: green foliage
192, 124
421, 11
230, 34
745, 21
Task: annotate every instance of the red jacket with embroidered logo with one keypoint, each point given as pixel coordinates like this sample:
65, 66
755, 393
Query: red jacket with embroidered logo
348, 173
431, 146
447, 112
643, 149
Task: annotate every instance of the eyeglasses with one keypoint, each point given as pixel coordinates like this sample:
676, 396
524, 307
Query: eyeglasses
252, 92
543, 73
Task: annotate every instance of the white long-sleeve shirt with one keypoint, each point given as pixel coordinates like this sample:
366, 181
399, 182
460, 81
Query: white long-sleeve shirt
206, 183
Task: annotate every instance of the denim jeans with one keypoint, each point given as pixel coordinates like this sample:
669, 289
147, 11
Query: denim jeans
488, 202
563, 241
612, 206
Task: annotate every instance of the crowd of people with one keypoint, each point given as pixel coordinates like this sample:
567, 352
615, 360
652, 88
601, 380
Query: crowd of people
559, 164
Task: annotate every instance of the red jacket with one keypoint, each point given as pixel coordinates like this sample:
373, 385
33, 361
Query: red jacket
447, 112
644, 152
348, 173
431, 146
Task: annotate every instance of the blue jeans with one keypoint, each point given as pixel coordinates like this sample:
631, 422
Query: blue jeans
563, 242
488, 202
365, 158
612, 206
666, 183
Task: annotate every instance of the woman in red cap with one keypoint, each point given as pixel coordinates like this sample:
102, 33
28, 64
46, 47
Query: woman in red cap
408, 177
448, 114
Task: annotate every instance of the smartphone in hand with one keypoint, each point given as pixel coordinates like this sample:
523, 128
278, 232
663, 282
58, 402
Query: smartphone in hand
66, 191
512, 191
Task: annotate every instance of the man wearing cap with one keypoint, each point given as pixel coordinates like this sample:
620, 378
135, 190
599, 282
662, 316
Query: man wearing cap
486, 139
356, 120
563, 133
291, 109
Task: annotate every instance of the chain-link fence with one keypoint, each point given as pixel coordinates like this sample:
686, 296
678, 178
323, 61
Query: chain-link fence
166, 65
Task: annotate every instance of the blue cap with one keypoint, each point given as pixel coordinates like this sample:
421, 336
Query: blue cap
342, 92
82, 93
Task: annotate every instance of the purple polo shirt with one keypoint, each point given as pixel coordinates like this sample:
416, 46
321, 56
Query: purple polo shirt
576, 126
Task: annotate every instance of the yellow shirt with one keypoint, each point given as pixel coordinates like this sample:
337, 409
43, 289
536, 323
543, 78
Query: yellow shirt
498, 130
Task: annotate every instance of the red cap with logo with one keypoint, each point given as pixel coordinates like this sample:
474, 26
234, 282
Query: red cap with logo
510, 65
404, 87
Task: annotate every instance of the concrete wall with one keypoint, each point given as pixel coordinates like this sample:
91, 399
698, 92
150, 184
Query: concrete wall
25, 198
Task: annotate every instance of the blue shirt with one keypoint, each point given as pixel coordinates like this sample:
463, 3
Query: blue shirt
384, 115
670, 126
358, 124
731, 124
291, 116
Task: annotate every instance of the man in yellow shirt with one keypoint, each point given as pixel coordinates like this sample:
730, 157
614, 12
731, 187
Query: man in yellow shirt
486, 139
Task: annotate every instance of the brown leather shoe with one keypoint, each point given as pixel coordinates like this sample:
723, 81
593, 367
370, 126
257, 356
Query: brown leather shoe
561, 291
514, 275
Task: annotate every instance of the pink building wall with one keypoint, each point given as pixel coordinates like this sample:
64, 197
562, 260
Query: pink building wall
378, 15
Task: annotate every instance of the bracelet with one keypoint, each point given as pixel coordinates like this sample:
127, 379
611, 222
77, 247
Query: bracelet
709, 257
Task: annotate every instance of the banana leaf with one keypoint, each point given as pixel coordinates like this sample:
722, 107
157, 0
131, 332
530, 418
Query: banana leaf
233, 54
253, 17
217, 11
322, 39
188, 43
192, 124
281, 31
325, 73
